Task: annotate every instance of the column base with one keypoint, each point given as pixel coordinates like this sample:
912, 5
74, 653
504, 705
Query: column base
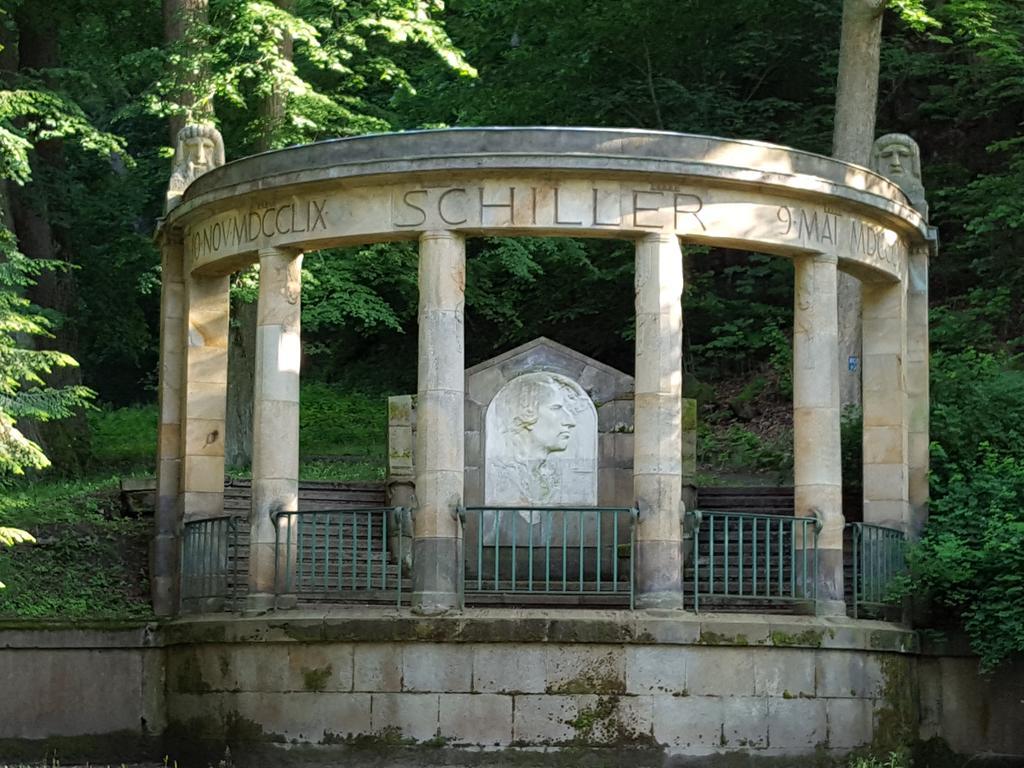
830, 608
436, 575
830, 581
656, 600
163, 589
659, 574
258, 603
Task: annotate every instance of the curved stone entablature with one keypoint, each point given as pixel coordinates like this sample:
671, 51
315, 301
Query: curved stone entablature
548, 181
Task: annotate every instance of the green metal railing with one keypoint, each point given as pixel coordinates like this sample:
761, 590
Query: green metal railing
740, 558
209, 559
550, 550
340, 553
879, 555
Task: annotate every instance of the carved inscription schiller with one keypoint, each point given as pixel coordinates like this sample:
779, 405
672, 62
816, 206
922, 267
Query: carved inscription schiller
653, 208
232, 233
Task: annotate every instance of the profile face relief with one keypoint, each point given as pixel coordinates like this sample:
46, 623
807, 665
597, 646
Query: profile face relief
555, 423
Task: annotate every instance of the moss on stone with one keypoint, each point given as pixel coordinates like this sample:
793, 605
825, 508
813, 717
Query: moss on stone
190, 677
708, 637
316, 679
810, 638
588, 718
896, 719
601, 679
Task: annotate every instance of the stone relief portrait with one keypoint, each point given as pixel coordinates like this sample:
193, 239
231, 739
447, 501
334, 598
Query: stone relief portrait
200, 149
541, 445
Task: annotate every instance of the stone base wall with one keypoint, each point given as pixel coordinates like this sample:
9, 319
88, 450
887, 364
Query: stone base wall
674, 687
94, 693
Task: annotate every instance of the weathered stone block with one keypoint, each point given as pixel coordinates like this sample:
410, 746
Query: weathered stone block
377, 667
796, 723
850, 723
688, 721
508, 669
781, 672
321, 667
839, 674
294, 715
482, 386
582, 669
483, 719
720, 672
655, 669
430, 667
407, 715
541, 720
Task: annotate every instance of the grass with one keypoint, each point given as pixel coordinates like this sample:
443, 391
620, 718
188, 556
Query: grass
85, 564
91, 563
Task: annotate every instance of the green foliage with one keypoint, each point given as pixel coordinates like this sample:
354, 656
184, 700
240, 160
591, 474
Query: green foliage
83, 564
736, 449
124, 439
337, 423
89, 570
11, 536
24, 393
971, 557
851, 436
349, 62
893, 760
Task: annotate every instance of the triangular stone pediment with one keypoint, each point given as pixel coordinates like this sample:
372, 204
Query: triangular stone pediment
600, 381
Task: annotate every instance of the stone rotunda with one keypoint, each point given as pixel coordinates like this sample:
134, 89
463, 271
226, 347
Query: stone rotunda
523, 479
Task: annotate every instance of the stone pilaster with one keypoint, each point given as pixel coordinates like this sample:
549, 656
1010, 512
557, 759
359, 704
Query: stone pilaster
886, 499
440, 449
818, 484
657, 438
916, 373
164, 568
204, 396
275, 428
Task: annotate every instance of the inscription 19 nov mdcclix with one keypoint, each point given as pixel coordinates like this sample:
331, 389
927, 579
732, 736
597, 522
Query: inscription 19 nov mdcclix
551, 209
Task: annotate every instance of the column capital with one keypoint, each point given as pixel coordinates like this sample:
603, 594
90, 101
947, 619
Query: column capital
657, 237
273, 251
825, 258
441, 234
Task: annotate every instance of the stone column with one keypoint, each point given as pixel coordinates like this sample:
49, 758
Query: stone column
204, 396
440, 450
275, 423
657, 438
164, 566
886, 499
817, 475
916, 373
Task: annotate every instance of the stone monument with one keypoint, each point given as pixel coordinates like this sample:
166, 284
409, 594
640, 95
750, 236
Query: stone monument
541, 450
898, 157
200, 149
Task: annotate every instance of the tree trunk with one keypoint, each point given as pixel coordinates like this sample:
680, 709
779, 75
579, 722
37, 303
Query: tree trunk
854, 132
65, 441
242, 347
241, 377
179, 18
